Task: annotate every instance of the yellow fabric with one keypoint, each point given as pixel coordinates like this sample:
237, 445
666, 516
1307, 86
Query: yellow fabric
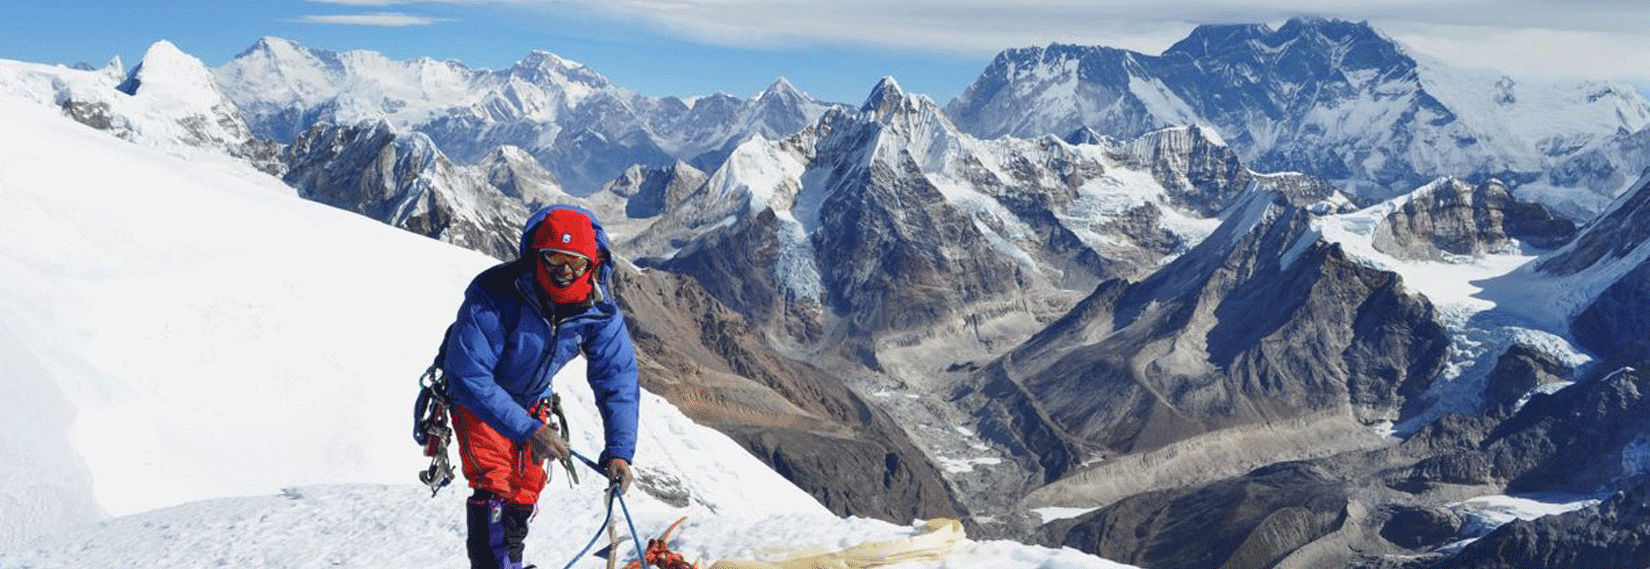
937, 538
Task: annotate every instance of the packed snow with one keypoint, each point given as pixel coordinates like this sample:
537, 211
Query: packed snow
205, 370
1483, 514
176, 107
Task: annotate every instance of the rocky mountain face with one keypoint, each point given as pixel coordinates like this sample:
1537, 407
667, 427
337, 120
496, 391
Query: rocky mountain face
908, 321
1616, 247
650, 192
1252, 521
1452, 217
407, 182
1258, 323
582, 127
713, 364
1330, 98
1610, 535
1540, 427
863, 213
1403, 505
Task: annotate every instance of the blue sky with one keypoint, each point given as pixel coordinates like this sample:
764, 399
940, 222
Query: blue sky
834, 50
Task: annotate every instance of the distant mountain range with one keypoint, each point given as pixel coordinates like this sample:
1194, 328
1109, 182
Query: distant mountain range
582, 127
1334, 99
1274, 298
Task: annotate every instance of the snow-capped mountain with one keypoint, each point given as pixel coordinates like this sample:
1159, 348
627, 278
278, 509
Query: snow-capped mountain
168, 101
1613, 250
1334, 99
1137, 367
580, 125
405, 181
863, 212
1451, 217
887, 245
177, 332
1415, 310
1236, 368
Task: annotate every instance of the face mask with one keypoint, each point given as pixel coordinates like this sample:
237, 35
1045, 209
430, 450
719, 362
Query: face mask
565, 253
563, 283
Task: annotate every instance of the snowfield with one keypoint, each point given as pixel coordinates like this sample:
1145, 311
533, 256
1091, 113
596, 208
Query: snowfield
203, 370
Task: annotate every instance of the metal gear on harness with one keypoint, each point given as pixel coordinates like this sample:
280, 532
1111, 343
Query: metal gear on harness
545, 410
430, 429
566, 461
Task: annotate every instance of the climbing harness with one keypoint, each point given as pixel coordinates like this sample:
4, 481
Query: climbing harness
551, 406
430, 429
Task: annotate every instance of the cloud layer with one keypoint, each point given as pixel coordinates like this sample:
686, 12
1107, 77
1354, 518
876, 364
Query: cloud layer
390, 19
1538, 38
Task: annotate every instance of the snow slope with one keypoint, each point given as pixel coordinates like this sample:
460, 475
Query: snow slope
169, 101
228, 368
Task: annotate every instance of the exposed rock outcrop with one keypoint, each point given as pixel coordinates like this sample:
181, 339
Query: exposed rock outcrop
1612, 535
1250, 522
1520, 369
1452, 217
650, 192
1256, 324
806, 424
1576, 439
405, 181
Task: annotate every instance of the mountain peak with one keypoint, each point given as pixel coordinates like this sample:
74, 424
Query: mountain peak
545, 68
1328, 27
782, 86
886, 96
1218, 41
1210, 39
782, 97
546, 61
274, 47
180, 74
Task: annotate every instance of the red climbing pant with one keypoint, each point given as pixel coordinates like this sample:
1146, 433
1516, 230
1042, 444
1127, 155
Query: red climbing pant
492, 462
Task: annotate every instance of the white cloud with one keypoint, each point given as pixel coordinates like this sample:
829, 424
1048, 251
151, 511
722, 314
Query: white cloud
1531, 52
362, 2
390, 19
1600, 39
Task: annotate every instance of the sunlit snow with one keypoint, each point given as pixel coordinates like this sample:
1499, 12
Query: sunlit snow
206, 371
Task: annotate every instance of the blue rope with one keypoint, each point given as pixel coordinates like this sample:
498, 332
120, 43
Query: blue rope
641, 554
593, 538
613, 493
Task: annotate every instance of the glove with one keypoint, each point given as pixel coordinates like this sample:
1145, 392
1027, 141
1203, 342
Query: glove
547, 443
618, 473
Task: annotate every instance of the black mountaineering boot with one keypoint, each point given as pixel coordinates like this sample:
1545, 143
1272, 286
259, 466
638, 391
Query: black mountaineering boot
492, 543
516, 517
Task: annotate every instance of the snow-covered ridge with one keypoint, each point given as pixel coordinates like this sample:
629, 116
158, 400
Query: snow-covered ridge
579, 124
1487, 302
1335, 99
169, 101
179, 335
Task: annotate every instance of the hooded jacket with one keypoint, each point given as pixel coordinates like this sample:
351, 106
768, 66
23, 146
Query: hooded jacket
507, 344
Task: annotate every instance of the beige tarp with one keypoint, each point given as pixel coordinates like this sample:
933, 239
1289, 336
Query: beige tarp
936, 539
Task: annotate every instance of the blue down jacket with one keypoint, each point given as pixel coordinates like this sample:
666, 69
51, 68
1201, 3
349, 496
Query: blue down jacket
507, 344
